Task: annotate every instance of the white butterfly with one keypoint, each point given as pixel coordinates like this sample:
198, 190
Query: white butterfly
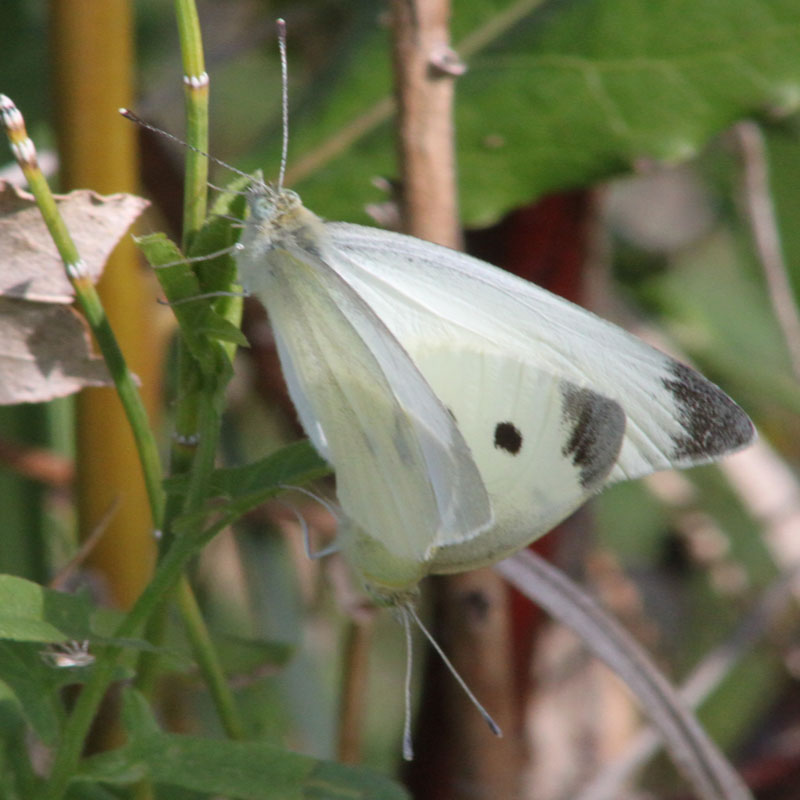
465, 411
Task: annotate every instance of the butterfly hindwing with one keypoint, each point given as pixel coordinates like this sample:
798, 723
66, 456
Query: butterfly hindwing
543, 445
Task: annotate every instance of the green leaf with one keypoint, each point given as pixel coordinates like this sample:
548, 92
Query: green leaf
17, 779
249, 486
31, 613
563, 96
218, 234
34, 686
32, 616
200, 324
246, 770
293, 465
88, 791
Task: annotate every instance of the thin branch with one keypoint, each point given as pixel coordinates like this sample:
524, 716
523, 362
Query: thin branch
63, 576
425, 135
703, 680
766, 236
698, 757
382, 110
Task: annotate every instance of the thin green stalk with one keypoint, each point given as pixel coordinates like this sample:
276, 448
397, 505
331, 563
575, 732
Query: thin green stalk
208, 660
147, 662
196, 106
25, 152
79, 721
190, 398
208, 428
198, 415
199, 397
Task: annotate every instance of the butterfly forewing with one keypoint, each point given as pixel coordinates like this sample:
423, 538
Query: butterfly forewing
675, 417
404, 473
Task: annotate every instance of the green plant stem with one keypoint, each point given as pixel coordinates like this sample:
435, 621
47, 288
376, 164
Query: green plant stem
200, 397
107, 342
196, 107
168, 572
208, 660
208, 427
147, 662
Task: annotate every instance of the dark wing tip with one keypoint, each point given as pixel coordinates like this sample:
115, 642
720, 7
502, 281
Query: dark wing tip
713, 424
596, 430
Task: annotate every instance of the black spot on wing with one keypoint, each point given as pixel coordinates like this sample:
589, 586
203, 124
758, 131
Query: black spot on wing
596, 426
712, 422
507, 437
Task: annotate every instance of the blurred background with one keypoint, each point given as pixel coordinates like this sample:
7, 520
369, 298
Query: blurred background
641, 159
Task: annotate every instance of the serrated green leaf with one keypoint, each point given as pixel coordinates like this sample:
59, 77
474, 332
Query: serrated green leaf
246, 770
295, 464
218, 234
215, 327
201, 326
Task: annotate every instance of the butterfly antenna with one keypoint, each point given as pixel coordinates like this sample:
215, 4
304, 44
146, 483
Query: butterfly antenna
128, 114
281, 26
408, 748
493, 726
204, 296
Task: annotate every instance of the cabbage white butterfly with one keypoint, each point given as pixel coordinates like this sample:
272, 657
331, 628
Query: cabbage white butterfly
465, 411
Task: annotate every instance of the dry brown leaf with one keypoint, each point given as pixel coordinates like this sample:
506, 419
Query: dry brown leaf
31, 266
45, 352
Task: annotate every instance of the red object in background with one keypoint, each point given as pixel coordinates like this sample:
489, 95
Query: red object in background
546, 242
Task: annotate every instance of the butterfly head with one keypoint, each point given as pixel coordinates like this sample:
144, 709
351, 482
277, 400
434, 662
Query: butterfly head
275, 216
268, 204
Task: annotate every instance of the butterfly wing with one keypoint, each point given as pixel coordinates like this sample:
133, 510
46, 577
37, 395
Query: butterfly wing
404, 474
552, 400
